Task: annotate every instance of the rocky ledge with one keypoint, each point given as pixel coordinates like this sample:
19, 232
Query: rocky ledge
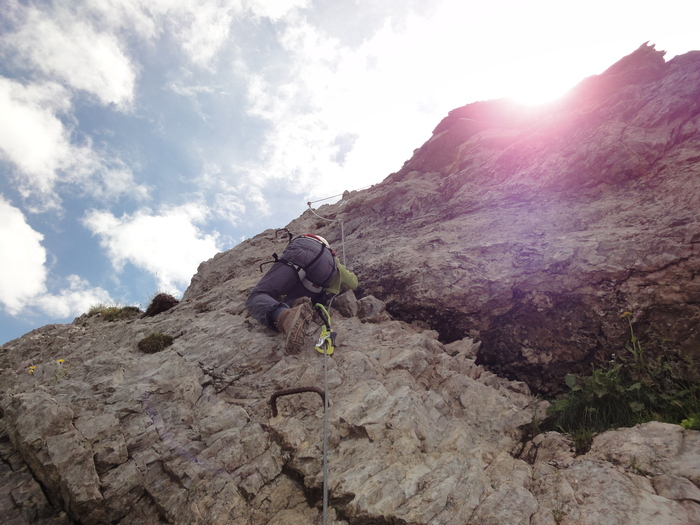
417, 434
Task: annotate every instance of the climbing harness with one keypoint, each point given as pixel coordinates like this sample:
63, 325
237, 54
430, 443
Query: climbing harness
302, 271
289, 235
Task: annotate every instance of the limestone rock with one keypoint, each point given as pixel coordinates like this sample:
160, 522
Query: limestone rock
346, 304
511, 243
676, 488
186, 435
654, 448
372, 310
550, 447
465, 346
532, 230
22, 500
590, 492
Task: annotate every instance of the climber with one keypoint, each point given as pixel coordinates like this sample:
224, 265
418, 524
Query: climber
307, 271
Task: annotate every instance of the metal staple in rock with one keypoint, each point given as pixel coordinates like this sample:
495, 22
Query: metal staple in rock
300, 390
322, 393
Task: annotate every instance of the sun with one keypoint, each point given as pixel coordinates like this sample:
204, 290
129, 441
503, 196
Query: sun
539, 91
535, 83
539, 79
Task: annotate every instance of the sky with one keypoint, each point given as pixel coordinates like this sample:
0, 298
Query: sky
138, 138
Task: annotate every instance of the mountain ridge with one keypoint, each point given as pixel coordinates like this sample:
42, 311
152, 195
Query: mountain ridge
498, 259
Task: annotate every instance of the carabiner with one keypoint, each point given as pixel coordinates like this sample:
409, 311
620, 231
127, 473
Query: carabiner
326, 341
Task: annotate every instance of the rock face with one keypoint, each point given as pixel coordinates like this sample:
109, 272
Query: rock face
533, 230
512, 238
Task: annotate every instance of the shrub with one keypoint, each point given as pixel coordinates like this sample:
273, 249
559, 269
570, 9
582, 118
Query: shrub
633, 388
155, 343
692, 423
96, 309
160, 303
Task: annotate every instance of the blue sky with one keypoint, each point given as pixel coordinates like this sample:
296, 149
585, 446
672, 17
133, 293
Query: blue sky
138, 138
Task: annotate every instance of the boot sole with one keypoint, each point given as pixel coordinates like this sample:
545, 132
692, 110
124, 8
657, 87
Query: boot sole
297, 335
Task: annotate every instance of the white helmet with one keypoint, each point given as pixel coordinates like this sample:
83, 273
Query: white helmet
319, 239
322, 241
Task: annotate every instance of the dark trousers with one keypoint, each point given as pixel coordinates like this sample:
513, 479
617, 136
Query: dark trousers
281, 285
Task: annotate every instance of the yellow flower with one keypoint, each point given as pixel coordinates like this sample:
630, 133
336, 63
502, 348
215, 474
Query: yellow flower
626, 314
60, 361
31, 369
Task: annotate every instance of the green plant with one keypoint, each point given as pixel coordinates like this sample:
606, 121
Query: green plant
61, 370
113, 313
691, 423
635, 466
155, 343
630, 389
583, 439
96, 309
161, 302
633, 346
597, 402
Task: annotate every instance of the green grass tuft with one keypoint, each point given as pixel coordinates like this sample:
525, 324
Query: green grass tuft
155, 343
113, 313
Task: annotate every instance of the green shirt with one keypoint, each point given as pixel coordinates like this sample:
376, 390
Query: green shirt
342, 280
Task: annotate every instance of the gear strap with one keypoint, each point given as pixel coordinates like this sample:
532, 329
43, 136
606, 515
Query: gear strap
302, 270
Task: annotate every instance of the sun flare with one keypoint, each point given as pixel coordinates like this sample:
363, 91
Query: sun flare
543, 78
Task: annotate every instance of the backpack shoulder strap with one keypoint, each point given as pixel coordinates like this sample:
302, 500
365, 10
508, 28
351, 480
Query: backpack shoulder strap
301, 270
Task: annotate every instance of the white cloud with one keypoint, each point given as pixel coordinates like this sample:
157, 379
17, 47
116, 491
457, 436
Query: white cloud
276, 9
331, 94
167, 244
23, 272
147, 17
193, 91
82, 44
134, 15
22, 260
35, 140
204, 30
70, 49
110, 179
31, 136
227, 198
202, 27
73, 300
199, 27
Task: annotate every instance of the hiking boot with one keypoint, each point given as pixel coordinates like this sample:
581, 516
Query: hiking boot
306, 300
292, 323
301, 300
